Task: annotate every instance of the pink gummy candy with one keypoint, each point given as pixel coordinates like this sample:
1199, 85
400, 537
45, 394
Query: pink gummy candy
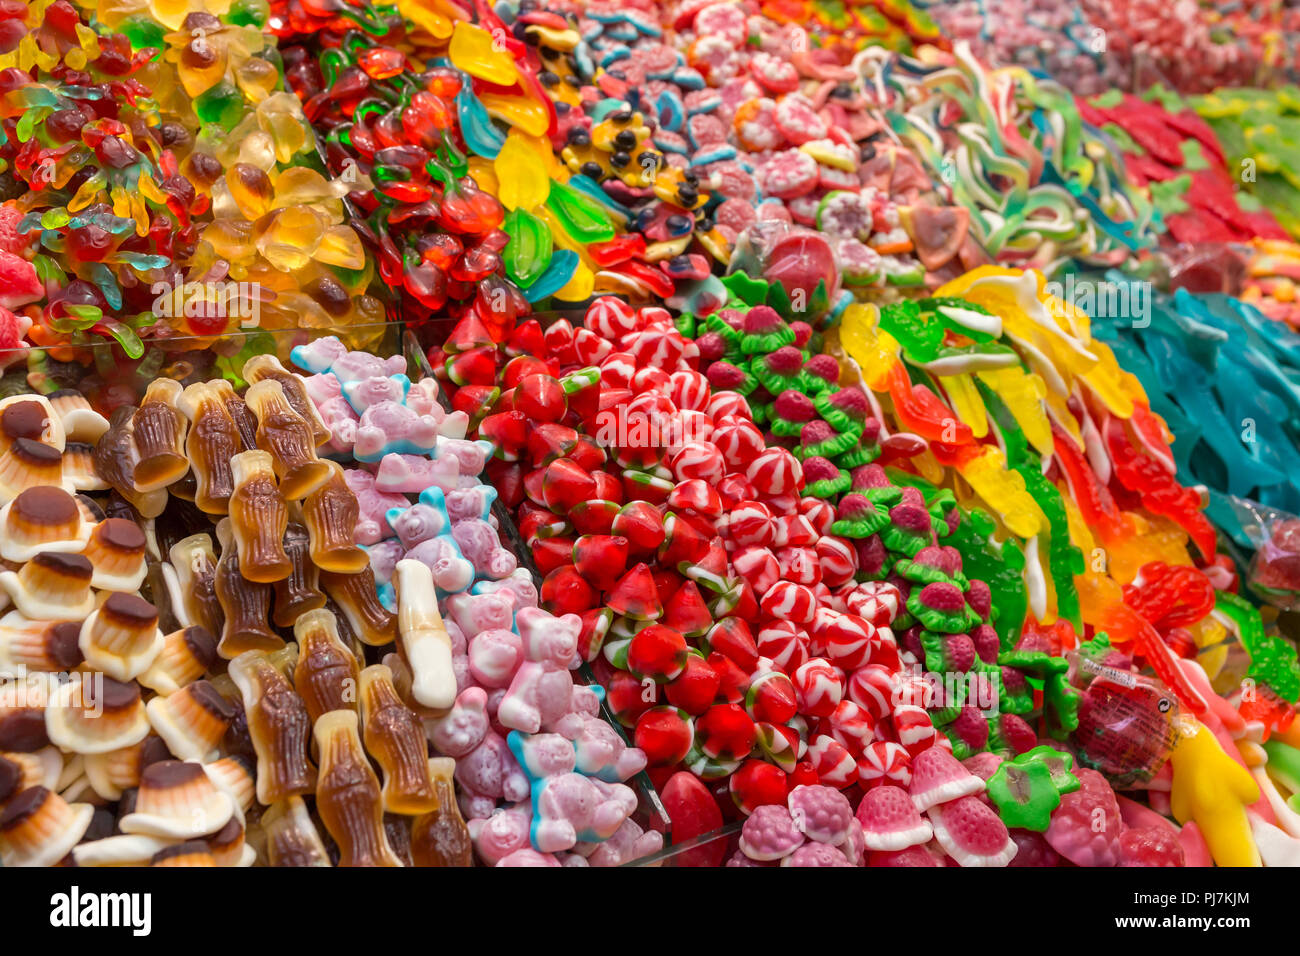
937, 777
972, 834
1078, 832
816, 854
770, 834
822, 813
890, 821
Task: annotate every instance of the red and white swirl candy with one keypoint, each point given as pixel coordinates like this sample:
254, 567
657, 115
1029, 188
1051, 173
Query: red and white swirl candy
610, 317
774, 471
877, 601
787, 601
885, 762
818, 686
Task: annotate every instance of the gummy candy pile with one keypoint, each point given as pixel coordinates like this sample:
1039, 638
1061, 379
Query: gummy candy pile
821, 434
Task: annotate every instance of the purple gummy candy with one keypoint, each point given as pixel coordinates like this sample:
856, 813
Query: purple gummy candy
816, 854
822, 813
770, 834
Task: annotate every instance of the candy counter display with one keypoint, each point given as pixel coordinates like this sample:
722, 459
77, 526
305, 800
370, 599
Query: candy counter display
704, 433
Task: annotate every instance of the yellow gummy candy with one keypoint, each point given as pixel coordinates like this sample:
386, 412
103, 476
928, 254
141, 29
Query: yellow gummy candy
1214, 790
1004, 492
427, 15
580, 287
874, 349
1116, 388
484, 175
1022, 393
479, 54
522, 178
522, 112
965, 400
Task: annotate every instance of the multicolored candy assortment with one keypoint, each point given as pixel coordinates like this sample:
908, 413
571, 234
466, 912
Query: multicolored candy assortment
823, 434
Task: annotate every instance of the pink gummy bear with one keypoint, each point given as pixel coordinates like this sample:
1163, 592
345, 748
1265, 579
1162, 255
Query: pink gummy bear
519, 585
373, 505
386, 424
384, 556
628, 843
480, 612
472, 502
494, 656
480, 544
451, 572
472, 455
320, 356
342, 422
569, 807
358, 365
601, 752
362, 393
321, 388
411, 474
423, 396
573, 807
530, 857
417, 523
463, 727
541, 687
502, 833
490, 772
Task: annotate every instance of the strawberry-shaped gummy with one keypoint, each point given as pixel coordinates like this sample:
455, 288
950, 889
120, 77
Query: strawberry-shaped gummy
940, 606
764, 331
770, 834
823, 479
890, 821
1150, 846
938, 777
823, 368
858, 517
823, 814
1086, 827
971, 833
845, 410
